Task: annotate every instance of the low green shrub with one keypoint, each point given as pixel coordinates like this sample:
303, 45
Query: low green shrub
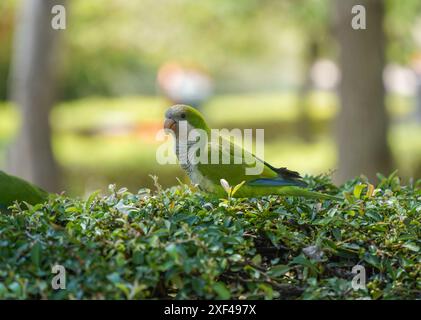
179, 243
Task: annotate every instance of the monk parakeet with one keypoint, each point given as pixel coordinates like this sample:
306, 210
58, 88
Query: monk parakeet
15, 189
211, 176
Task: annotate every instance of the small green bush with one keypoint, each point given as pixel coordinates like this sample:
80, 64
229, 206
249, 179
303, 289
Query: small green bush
178, 243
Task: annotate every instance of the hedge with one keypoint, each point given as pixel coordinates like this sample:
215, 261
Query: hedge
179, 243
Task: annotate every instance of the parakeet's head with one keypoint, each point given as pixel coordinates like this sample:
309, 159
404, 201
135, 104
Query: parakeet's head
178, 113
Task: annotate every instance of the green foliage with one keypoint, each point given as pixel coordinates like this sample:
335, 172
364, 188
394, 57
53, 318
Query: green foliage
400, 27
156, 32
178, 243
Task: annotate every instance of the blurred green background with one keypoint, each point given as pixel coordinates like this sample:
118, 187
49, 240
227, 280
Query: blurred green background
265, 69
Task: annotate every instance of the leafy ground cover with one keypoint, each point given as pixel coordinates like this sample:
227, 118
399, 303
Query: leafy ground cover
179, 243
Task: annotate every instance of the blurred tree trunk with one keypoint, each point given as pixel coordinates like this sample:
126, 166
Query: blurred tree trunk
362, 122
32, 86
304, 122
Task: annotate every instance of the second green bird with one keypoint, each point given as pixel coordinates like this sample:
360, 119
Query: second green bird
16, 189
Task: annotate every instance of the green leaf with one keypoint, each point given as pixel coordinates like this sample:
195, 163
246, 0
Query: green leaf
222, 291
372, 259
257, 259
301, 260
91, 199
236, 188
235, 257
374, 215
278, 270
114, 277
412, 246
358, 189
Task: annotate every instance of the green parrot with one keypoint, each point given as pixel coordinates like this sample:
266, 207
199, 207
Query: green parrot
213, 178
15, 189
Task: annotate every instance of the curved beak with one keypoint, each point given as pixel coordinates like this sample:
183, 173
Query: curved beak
170, 124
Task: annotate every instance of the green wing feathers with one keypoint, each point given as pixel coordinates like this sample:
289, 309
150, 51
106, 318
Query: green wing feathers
271, 180
240, 159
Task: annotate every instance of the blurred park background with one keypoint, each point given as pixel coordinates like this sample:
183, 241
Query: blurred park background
80, 107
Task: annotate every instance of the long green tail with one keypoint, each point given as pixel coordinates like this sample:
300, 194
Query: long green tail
300, 192
256, 191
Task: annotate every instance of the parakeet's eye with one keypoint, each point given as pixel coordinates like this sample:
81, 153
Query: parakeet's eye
183, 116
